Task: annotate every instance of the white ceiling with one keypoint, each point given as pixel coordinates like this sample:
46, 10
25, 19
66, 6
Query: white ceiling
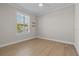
39, 11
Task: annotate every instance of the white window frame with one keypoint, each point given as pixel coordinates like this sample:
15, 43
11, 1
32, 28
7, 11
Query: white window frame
24, 31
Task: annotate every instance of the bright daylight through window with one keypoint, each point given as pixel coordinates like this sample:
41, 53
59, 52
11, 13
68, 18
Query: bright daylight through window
23, 23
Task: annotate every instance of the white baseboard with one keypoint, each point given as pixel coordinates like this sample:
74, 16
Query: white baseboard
56, 40
77, 49
33, 38
4, 45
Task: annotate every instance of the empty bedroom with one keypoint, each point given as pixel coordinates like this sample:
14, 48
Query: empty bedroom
39, 29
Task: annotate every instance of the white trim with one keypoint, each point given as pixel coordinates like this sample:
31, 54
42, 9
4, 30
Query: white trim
56, 40
4, 45
76, 47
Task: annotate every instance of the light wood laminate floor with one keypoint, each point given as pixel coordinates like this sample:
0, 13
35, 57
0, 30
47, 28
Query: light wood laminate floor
38, 47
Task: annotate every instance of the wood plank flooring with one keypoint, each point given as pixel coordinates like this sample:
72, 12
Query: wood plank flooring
38, 47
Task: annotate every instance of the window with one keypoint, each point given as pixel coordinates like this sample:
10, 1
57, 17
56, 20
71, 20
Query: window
23, 23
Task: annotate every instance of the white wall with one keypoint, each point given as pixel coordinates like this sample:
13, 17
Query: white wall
8, 25
57, 25
77, 27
